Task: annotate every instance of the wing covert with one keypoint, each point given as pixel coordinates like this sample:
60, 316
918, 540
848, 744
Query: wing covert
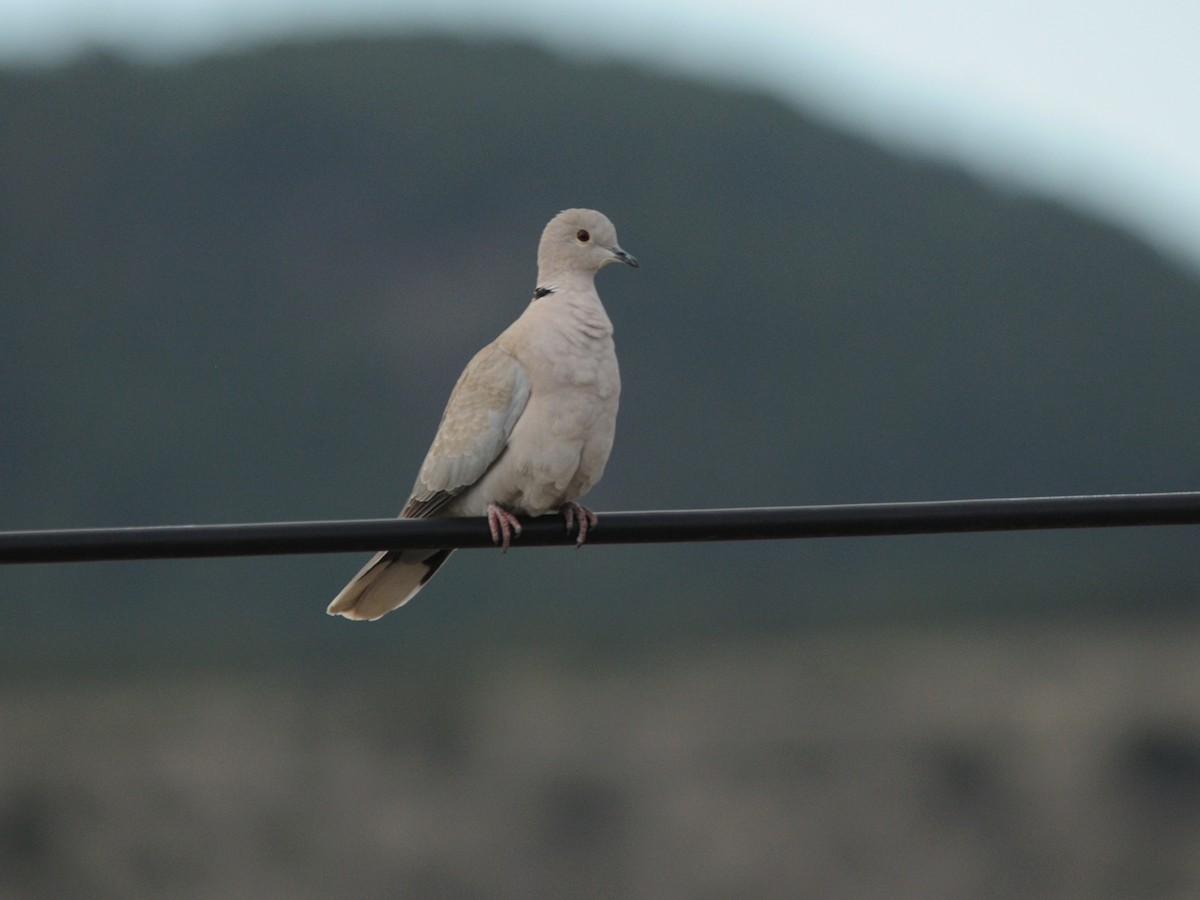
480, 415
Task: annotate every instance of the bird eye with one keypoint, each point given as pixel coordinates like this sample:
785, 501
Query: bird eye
582, 236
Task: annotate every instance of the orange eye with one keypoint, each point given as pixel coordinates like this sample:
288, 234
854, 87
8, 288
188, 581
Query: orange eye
582, 236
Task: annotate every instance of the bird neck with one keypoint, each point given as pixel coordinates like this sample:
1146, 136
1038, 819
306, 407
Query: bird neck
571, 280
574, 306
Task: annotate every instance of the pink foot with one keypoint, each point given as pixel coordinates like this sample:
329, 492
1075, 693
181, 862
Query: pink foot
587, 520
503, 526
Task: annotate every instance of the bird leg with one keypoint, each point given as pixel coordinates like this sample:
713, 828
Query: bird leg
587, 520
503, 526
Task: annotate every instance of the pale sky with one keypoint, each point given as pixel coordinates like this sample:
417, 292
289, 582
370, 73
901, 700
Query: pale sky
1094, 102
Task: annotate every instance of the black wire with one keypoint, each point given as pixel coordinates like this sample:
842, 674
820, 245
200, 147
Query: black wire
784, 522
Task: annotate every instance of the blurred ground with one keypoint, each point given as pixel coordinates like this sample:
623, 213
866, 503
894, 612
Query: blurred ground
1006, 762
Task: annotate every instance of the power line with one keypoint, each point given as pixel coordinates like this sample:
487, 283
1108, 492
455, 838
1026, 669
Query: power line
763, 523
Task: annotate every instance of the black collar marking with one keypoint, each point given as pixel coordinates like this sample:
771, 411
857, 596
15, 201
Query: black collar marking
541, 292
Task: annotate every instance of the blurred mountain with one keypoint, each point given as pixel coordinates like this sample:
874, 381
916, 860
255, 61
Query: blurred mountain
241, 289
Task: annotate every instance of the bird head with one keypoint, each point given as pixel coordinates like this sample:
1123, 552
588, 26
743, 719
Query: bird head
579, 241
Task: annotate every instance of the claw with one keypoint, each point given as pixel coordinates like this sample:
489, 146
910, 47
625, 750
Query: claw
503, 525
587, 520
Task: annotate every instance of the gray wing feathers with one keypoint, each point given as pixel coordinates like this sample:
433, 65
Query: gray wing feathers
484, 407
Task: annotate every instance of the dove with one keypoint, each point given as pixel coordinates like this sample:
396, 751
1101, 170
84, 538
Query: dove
528, 427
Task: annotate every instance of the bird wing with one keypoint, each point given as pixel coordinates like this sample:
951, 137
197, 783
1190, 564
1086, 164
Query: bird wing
486, 403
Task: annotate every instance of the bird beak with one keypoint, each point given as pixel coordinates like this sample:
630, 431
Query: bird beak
624, 257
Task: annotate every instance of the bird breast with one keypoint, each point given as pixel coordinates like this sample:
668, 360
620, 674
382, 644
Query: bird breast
560, 445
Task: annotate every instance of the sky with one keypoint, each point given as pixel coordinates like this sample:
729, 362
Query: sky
1091, 102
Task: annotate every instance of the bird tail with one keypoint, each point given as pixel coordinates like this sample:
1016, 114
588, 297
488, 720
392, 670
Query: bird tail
388, 581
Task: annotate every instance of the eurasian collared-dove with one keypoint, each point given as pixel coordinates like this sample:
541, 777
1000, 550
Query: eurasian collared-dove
530, 423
